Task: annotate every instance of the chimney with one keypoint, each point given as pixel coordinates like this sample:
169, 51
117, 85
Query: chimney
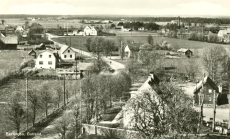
220, 88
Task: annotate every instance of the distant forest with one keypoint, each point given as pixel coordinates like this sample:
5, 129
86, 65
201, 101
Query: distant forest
223, 20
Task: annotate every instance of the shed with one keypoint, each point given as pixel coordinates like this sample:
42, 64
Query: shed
187, 52
9, 42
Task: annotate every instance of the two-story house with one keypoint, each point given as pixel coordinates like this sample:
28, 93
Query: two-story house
67, 53
205, 90
47, 59
90, 31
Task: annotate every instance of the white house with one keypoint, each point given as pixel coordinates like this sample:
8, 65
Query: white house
20, 29
67, 53
222, 33
141, 28
46, 60
127, 51
90, 31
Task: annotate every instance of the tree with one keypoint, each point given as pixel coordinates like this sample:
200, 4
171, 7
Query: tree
150, 40
148, 58
214, 58
46, 97
63, 125
16, 113
34, 103
109, 47
58, 95
77, 122
3, 21
165, 110
88, 44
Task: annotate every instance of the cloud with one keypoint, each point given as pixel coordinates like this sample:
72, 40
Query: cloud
46, 8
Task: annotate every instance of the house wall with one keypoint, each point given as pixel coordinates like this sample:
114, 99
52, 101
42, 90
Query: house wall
68, 54
90, 32
8, 46
208, 98
46, 59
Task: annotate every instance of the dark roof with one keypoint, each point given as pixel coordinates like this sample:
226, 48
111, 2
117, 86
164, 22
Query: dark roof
203, 82
154, 80
183, 50
9, 40
31, 52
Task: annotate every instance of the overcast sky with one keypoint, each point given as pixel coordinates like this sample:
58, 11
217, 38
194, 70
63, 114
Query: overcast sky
117, 7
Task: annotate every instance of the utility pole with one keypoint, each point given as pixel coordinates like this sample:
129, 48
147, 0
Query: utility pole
64, 91
26, 103
214, 111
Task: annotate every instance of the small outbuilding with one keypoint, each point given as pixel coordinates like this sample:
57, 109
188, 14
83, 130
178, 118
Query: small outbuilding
8, 43
187, 52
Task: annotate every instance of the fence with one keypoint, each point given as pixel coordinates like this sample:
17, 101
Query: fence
110, 132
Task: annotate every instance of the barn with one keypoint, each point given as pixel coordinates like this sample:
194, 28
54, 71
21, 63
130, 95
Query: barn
8, 43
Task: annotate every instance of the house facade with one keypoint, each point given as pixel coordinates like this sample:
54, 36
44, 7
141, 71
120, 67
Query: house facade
222, 33
186, 52
19, 28
127, 52
67, 53
90, 31
205, 88
46, 60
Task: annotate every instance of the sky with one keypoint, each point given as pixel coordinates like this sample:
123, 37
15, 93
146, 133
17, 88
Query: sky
117, 7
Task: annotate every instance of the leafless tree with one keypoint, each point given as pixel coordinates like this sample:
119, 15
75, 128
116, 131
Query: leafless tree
46, 97
34, 103
63, 125
213, 58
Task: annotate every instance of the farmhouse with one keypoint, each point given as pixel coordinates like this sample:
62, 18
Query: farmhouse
47, 60
222, 33
186, 52
19, 28
207, 87
67, 53
9, 42
90, 31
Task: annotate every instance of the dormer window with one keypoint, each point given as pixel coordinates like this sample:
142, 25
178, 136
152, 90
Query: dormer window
40, 56
68, 51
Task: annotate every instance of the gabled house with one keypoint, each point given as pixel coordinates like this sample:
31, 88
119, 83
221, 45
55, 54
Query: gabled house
67, 53
222, 33
90, 31
186, 52
131, 49
141, 28
47, 59
9, 43
19, 29
207, 87
32, 54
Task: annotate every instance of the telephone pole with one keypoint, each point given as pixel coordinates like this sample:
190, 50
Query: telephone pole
214, 111
26, 102
64, 91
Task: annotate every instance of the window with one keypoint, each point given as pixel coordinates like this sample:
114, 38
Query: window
210, 90
70, 56
40, 56
68, 51
210, 99
64, 56
49, 62
49, 56
40, 62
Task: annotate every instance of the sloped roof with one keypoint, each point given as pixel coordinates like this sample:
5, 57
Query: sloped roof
203, 82
183, 50
64, 48
225, 31
134, 46
31, 52
9, 40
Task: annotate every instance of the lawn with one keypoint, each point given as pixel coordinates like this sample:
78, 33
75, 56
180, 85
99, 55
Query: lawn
10, 60
19, 86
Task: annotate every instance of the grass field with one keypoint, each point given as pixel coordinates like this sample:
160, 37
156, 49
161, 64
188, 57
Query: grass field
10, 60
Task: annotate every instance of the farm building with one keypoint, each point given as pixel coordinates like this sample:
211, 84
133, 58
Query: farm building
207, 87
19, 28
90, 31
187, 52
67, 53
47, 59
222, 33
119, 27
40, 47
141, 28
78, 32
32, 54
9, 43
131, 49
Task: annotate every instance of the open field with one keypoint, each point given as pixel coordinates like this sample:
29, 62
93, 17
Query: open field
13, 86
10, 60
